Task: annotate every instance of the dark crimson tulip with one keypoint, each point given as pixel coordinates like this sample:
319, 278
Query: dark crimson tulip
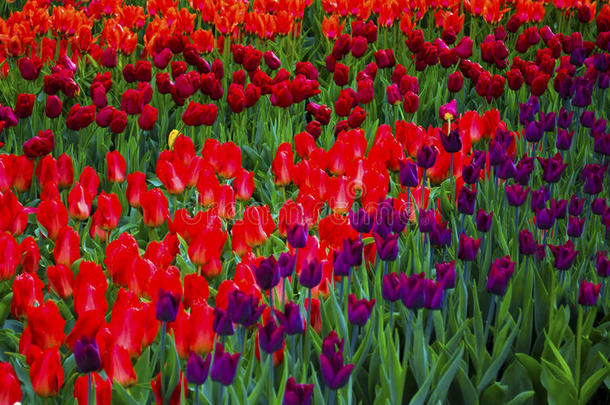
516, 194
564, 255
46, 373
359, 311
39, 145
356, 117
311, 274
410, 103
297, 394
468, 248
603, 264
455, 82
588, 293
24, 105
197, 369
53, 107
115, 167
291, 319
433, 294
223, 326
412, 290
87, 355
136, 187
341, 74
390, 287
515, 79
148, 118
464, 48
393, 94
484, 220
224, 366
500, 273
154, 208
11, 391
270, 336
27, 293
366, 91
236, 98
167, 306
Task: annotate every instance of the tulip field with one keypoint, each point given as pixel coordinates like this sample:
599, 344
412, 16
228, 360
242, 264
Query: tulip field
294, 202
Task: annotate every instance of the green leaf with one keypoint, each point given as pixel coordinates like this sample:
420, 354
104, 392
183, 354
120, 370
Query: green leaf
592, 384
521, 398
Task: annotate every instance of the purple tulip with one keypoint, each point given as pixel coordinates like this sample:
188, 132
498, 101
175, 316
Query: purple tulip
291, 319
466, 200
544, 219
311, 274
452, 143
408, 174
468, 248
524, 169
527, 243
412, 290
426, 221
539, 198
426, 156
440, 235
340, 266
576, 205
603, 264
267, 273
297, 394
564, 255
433, 294
516, 194
500, 272
575, 227
471, 173
484, 220
588, 293
223, 326
506, 169
559, 208
197, 369
297, 235
361, 221
564, 119
334, 372
167, 306
352, 252
244, 309
445, 273
552, 168
359, 311
601, 144
270, 336
390, 287
285, 264
533, 132
564, 139
87, 355
387, 248
224, 365
587, 119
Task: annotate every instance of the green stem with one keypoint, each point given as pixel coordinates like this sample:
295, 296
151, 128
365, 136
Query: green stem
578, 345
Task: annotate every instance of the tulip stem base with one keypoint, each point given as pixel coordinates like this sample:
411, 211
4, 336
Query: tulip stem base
578, 345
196, 395
90, 390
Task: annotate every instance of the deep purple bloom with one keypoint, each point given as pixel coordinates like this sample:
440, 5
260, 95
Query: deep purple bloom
361, 221
426, 221
466, 200
533, 132
484, 220
400, 219
390, 287
524, 169
576, 205
387, 248
244, 309
352, 252
384, 218
87, 355
552, 168
267, 273
588, 293
297, 235
500, 272
270, 336
603, 264
412, 290
408, 174
582, 96
334, 372
285, 264
564, 120
359, 311
291, 319
297, 394
559, 208
496, 153
598, 206
311, 274
601, 144
471, 173
539, 198
506, 169
587, 119
527, 243
545, 218
167, 306
340, 265
452, 143
223, 325
445, 273
547, 121
564, 255
197, 368
468, 248
440, 235
516, 194
564, 139
426, 156
224, 365
433, 294
575, 226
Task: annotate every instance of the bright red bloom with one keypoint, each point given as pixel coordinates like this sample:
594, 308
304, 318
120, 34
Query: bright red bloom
46, 325
103, 390
90, 180
176, 394
27, 293
46, 373
11, 256
230, 160
118, 366
11, 388
243, 185
136, 187
53, 216
259, 225
79, 203
115, 167
67, 246
65, 171
30, 255
282, 165
154, 208
108, 211
61, 280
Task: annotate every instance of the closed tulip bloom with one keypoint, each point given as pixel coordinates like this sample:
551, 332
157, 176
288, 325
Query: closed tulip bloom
297, 235
559, 208
412, 290
197, 369
452, 142
576, 205
440, 235
270, 336
575, 226
499, 274
108, 211
361, 221
136, 187
387, 248
223, 326
603, 264
61, 279
103, 390
79, 203
311, 274
455, 82
115, 167
426, 221
286, 263
154, 208
484, 220
67, 246
433, 294
564, 255
224, 366
516, 194
359, 311
352, 252
297, 394
267, 273
24, 105
27, 293
11, 388
426, 156
544, 219
148, 118
408, 174
244, 309
334, 372
468, 248
244, 185
539, 198
46, 373
552, 168
390, 287
466, 200
11, 256
167, 306
87, 355
291, 319
588, 293
445, 274
527, 243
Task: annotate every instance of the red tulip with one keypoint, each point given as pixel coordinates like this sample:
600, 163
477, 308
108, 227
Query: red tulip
136, 187
259, 225
65, 171
24, 105
11, 255
118, 366
172, 175
40, 145
282, 165
115, 167
27, 293
11, 388
46, 170
79, 203
30, 255
148, 118
103, 390
46, 325
154, 208
206, 246
243, 185
196, 290
23, 169
176, 394
46, 373
90, 180
225, 202
61, 280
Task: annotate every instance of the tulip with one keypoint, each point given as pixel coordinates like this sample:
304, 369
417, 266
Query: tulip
197, 369
466, 200
115, 167
291, 319
311, 274
244, 309
24, 105
270, 336
118, 367
223, 326
46, 373
412, 290
445, 274
516, 195
360, 220
154, 208
390, 287
334, 372
103, 390
500, 272
484, 220
297, 394
468, 248
433, 294
564, 255
11, 388
224, 366
267, 274
588, 293
387, 248
87, 355
11, 256
408, 174
359, 311
167, 306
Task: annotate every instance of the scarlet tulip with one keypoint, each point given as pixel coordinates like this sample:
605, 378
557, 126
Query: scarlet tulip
11, 388
11, 256
46, 325
136, 187
154, 208
115, 167
27, 293
46, 373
